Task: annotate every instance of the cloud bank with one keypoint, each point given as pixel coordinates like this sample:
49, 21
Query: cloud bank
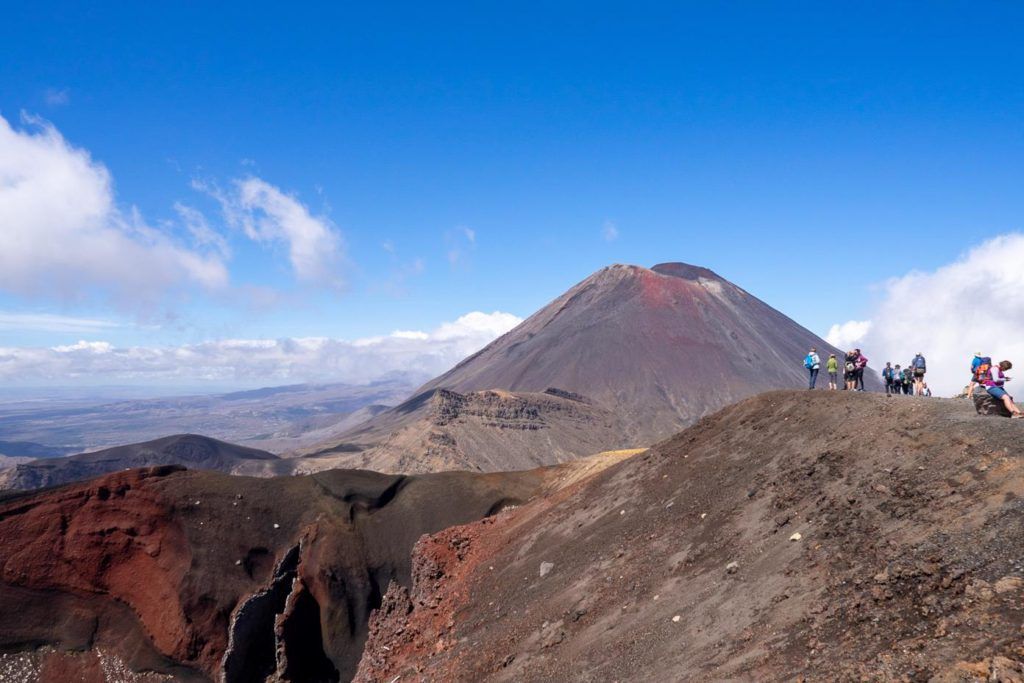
248, 361
974, 304
61, 233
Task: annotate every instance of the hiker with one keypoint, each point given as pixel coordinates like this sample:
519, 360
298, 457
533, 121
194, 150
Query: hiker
850, 371
887, 374
833, 372
919, 370
975, 380
897, 380
927, 390
994, 381
908, 380
813, 364
862, 364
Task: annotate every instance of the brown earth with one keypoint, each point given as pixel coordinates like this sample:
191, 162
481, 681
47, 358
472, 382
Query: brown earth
794, 536
649, 350
202, 576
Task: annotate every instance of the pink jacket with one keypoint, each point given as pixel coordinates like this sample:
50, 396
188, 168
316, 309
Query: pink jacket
995, 377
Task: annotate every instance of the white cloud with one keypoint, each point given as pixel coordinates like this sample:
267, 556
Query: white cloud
270, 216
609, 231
61, 233
460, 242
57, 97
974, 304
47, 322
847, 335
203, 235
87, 346
259, 360
478, 325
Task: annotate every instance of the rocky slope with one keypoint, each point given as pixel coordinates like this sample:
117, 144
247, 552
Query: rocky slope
163, 573
658, 348
487, 431
794, 536
189, 450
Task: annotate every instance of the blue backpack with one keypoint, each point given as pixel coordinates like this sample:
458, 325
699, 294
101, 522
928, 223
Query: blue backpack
919, 362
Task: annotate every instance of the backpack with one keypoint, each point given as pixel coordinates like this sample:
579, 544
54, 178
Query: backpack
919, 363
983, 369
850, 367
808, 362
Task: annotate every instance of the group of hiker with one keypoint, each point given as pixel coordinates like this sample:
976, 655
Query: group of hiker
910, 379
853, 370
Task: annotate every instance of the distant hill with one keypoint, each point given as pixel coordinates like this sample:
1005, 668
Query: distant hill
653, 348
190, 450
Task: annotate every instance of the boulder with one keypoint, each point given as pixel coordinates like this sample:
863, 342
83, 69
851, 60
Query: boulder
986, 405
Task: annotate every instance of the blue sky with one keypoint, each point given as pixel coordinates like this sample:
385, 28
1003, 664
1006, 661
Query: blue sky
485, 157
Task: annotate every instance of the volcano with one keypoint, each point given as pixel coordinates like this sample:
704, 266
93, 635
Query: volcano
654, 348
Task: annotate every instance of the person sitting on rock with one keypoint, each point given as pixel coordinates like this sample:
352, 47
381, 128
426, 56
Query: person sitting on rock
995, 382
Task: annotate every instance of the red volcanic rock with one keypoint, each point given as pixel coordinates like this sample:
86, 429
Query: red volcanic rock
205, 576
113, 536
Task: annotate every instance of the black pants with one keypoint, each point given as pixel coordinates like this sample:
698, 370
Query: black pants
889, 387
860, 379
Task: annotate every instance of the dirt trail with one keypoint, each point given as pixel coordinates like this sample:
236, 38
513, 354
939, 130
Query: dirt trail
794, 536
